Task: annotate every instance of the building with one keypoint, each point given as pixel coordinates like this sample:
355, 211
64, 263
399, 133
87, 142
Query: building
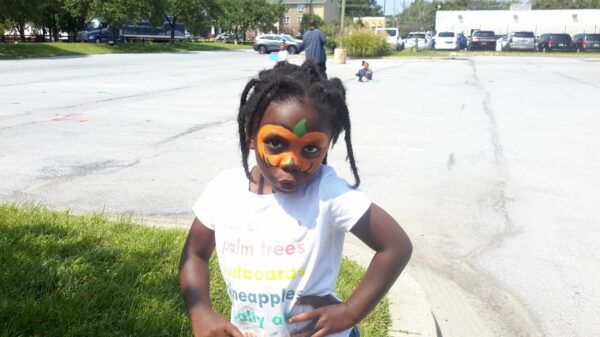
570, 21
328, 10
371, 22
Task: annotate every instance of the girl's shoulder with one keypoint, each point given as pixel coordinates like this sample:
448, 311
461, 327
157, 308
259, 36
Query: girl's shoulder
227, 179
331, 185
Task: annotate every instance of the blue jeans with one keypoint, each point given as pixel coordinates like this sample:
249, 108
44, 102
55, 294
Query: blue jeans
355, 332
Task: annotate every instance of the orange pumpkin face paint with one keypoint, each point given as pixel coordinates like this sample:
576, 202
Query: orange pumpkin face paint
279, 146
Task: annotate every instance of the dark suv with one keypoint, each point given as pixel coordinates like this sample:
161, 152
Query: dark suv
555, 42
483, 39
586, 42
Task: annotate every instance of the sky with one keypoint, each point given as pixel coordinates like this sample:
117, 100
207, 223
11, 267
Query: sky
389, 5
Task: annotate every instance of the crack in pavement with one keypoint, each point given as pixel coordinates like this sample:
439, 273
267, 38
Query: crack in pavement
87, 169
509, 229
193, 129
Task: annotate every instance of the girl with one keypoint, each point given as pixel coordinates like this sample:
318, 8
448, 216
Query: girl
279, 226
282, 54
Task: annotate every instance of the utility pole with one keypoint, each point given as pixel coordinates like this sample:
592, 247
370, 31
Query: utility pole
384, 17
339, 54
342, 18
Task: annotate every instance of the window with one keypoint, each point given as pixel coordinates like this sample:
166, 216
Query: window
286, 19
299, 19
300, 8
523, 34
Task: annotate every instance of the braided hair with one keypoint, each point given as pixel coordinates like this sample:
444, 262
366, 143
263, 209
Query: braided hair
286, 81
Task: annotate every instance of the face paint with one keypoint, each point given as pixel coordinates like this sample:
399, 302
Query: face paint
279, 146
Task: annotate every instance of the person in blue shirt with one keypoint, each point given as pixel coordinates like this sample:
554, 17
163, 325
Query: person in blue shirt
314, 46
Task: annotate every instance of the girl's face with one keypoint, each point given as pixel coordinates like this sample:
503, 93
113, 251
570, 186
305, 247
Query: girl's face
290, 143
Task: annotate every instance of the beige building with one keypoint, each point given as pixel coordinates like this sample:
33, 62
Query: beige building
328, 10
371, 22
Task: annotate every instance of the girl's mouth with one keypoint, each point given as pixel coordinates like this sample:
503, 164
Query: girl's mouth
287, 185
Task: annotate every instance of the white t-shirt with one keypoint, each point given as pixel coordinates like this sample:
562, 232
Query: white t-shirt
275, 248
282, 55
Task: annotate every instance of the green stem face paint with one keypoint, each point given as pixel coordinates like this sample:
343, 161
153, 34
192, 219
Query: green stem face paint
300, 128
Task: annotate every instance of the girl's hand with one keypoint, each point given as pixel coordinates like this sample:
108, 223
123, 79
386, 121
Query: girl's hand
212, 324
329, 316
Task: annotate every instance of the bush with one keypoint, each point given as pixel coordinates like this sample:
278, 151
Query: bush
331, 43
366, 43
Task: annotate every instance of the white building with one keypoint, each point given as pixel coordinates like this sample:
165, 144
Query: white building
570, 21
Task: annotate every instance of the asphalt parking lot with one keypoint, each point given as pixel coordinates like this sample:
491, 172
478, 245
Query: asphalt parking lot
490, 163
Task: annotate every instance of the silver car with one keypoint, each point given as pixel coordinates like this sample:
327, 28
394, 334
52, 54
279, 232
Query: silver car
521, 41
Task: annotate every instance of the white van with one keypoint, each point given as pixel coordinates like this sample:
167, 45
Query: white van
393, 37
445, 40
423, 40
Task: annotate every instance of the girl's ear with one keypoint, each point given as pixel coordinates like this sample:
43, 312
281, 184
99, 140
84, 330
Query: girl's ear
251, 144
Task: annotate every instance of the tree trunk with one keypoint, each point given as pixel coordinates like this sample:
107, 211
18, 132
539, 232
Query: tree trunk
56, 33
21, 29
115, 34
172, 24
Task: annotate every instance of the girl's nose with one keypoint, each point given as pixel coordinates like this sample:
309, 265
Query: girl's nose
290, 162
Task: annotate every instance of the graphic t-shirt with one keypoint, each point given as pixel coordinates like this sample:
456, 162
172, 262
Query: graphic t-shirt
275, 248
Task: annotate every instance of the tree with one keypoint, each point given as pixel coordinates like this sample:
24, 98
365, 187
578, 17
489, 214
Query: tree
360, 8
121, 12
241, 15
196, 14
75, 15
17, 13
420, 15
565, 4
307, 19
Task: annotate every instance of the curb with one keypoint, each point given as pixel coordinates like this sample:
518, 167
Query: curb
409, 308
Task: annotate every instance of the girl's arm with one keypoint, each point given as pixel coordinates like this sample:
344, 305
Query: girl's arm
393, 249
194, 281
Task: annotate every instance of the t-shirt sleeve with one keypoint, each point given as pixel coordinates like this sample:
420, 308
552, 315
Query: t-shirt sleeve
206, 207
346, 204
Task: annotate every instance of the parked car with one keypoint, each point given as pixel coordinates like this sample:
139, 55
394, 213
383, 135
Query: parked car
483, 40
423, 40
521, 41
227, 37
445, 40
392, 37
555, 42
291, 38
268, 43
586, 42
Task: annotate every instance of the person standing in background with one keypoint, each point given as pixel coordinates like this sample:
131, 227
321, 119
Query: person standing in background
314, 46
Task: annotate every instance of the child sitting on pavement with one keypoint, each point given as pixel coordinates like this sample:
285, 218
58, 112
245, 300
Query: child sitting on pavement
282, 55
365, 72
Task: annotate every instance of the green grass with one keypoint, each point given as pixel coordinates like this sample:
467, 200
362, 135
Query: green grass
67, 275
448, 54
29, 50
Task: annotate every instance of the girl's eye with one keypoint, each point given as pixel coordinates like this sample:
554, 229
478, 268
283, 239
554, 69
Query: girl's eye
311, 149
275, 144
